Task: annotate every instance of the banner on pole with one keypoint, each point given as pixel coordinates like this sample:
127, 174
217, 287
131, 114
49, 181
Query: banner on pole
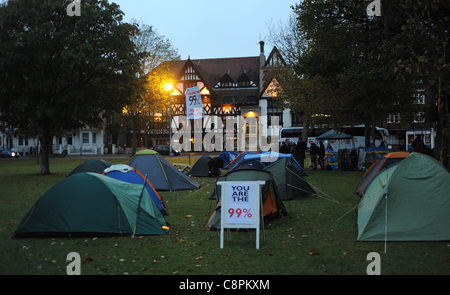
194, 106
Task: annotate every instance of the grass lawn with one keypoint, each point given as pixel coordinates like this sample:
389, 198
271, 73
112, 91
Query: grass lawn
319, 237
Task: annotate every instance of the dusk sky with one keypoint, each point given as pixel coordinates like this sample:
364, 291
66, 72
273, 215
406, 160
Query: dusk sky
210, 28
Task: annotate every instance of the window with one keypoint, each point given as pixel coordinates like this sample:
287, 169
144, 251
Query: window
23, 141
190, 75
393, 118
225, 82
419, 117
85, 138
245, 81
419, 97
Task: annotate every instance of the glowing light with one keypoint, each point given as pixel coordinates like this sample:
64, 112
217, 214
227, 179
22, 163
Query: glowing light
251, 114
168, 87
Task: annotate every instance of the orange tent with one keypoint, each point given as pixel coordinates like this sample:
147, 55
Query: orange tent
379, 166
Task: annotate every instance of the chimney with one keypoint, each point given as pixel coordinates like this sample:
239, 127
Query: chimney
262, 58
262, 63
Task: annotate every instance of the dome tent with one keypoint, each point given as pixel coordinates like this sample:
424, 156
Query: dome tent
290, 181
129, 174
162, 174
407, 202
87, 204
201, 167
93, 165
379, 166
228, 157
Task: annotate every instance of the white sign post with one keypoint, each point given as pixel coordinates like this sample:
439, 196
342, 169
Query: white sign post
194, 106
241, 206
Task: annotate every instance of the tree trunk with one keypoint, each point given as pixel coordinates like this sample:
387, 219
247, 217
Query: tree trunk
444, 121
45, 154
37, 151
367, 134
305, 132
135, 130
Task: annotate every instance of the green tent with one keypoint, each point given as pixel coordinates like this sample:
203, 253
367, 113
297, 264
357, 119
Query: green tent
93, 165
407, 202
88, 204
290, 184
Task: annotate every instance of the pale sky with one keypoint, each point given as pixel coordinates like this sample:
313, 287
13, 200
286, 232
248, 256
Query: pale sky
210, 28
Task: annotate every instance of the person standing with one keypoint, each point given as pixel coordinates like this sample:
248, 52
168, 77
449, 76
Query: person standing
300, 150
321, 155
314, 151
418, 144
284, 149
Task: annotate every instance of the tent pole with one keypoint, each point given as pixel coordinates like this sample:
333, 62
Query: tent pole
139, 204
385, 223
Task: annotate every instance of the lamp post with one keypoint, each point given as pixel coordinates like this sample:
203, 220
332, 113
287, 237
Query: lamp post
169, 87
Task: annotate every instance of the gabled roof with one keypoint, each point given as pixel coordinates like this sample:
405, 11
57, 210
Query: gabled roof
271, 87
275, 58
212, 71
238, 71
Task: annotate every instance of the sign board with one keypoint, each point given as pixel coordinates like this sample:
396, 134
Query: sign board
194, 106
241, 205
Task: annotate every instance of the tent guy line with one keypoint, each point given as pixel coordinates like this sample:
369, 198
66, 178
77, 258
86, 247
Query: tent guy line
331, 199
199, 189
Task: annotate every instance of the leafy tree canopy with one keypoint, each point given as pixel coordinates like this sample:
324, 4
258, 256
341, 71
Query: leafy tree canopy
61, 72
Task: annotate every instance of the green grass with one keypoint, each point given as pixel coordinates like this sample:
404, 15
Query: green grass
316, 225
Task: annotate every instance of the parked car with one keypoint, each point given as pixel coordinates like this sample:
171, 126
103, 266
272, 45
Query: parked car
164, 150
9, 154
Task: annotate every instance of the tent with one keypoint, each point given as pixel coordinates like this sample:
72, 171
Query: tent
249, 164
273, 206
272, 157
379, 166
238, 159
407, 202
334, 135
201, 167
161, 174
228, 157
87, 204
93, 165
289, 181
129, 174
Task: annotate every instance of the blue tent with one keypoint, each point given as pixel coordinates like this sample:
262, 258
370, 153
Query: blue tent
238, 159
272, 157
129, 174
228, 157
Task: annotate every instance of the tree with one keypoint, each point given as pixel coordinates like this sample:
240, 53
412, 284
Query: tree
419, 32
60, 72
347, 52
306, 95
156, 49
